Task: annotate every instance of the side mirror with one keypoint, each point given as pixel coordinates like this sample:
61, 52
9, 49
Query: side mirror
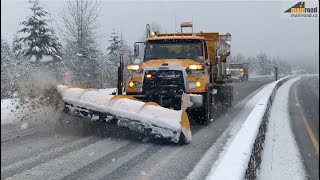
137, 61
136, 50
200, 58
207, 62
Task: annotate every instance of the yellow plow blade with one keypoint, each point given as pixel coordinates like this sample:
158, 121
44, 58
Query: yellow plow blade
95, 104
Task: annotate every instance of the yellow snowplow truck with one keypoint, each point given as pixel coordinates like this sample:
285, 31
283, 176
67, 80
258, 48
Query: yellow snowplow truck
173, 75
171, 64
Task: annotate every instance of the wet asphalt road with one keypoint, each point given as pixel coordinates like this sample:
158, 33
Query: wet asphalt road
304, 114
40, 153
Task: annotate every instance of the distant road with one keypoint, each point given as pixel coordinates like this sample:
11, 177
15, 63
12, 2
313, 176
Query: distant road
304, 113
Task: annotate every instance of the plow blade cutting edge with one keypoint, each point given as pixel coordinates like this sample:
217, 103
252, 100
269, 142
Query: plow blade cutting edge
129, 112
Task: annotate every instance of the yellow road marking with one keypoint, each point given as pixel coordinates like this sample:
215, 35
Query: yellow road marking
160, 164
310, 132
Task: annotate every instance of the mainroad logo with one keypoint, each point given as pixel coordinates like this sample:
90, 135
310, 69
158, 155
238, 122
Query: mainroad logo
300, 10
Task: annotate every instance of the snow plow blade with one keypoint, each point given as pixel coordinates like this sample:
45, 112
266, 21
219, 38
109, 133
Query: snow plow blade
129, 112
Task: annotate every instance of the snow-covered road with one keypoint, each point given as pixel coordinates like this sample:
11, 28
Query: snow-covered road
38, 153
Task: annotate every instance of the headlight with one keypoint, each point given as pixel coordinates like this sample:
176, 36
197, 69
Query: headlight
241, 70
133, 67
135, 84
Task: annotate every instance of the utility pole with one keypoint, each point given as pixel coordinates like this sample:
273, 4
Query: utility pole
120, 72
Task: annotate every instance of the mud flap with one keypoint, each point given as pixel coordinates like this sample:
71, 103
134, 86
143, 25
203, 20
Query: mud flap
224, 95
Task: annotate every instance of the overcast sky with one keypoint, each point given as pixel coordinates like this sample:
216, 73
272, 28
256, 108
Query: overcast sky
255, 26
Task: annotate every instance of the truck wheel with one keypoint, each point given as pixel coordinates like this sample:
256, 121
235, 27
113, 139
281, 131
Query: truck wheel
205, 111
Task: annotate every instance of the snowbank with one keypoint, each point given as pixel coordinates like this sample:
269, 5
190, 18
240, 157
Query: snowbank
235, 161
25, 111
125, 107
8, 107
281, 158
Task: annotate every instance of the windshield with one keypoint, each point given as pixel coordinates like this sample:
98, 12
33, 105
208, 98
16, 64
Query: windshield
235, 66
174, 49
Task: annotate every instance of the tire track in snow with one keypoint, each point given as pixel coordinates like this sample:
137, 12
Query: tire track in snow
18, 134
31, 162
130, 164
38, 151
62, 166
100, 162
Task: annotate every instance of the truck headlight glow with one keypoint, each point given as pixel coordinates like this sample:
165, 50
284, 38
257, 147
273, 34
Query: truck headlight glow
198, 84
134, 84
133, 67
195, 67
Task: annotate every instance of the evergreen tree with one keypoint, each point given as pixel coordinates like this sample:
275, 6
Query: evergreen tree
110, 66
40, 39
16, 45
112, 58
7, 71
115, 44
264, 64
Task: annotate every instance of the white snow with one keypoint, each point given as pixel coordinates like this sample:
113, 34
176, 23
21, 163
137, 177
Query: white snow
281, 158
43, 59
33, 58
8, 108
16, 111
46, 58
235, 160
36, 48
108, 90
101, 101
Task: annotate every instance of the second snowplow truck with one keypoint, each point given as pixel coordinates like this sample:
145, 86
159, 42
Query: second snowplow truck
174, 75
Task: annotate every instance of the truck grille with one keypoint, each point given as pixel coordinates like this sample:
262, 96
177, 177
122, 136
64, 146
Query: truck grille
163, 79
164, 87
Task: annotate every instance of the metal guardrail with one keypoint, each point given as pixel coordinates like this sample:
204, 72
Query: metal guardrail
256, 154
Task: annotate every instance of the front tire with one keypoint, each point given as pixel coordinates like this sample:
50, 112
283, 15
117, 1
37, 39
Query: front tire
205, 111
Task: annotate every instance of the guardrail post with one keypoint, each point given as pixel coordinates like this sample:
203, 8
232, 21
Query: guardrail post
276, 72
